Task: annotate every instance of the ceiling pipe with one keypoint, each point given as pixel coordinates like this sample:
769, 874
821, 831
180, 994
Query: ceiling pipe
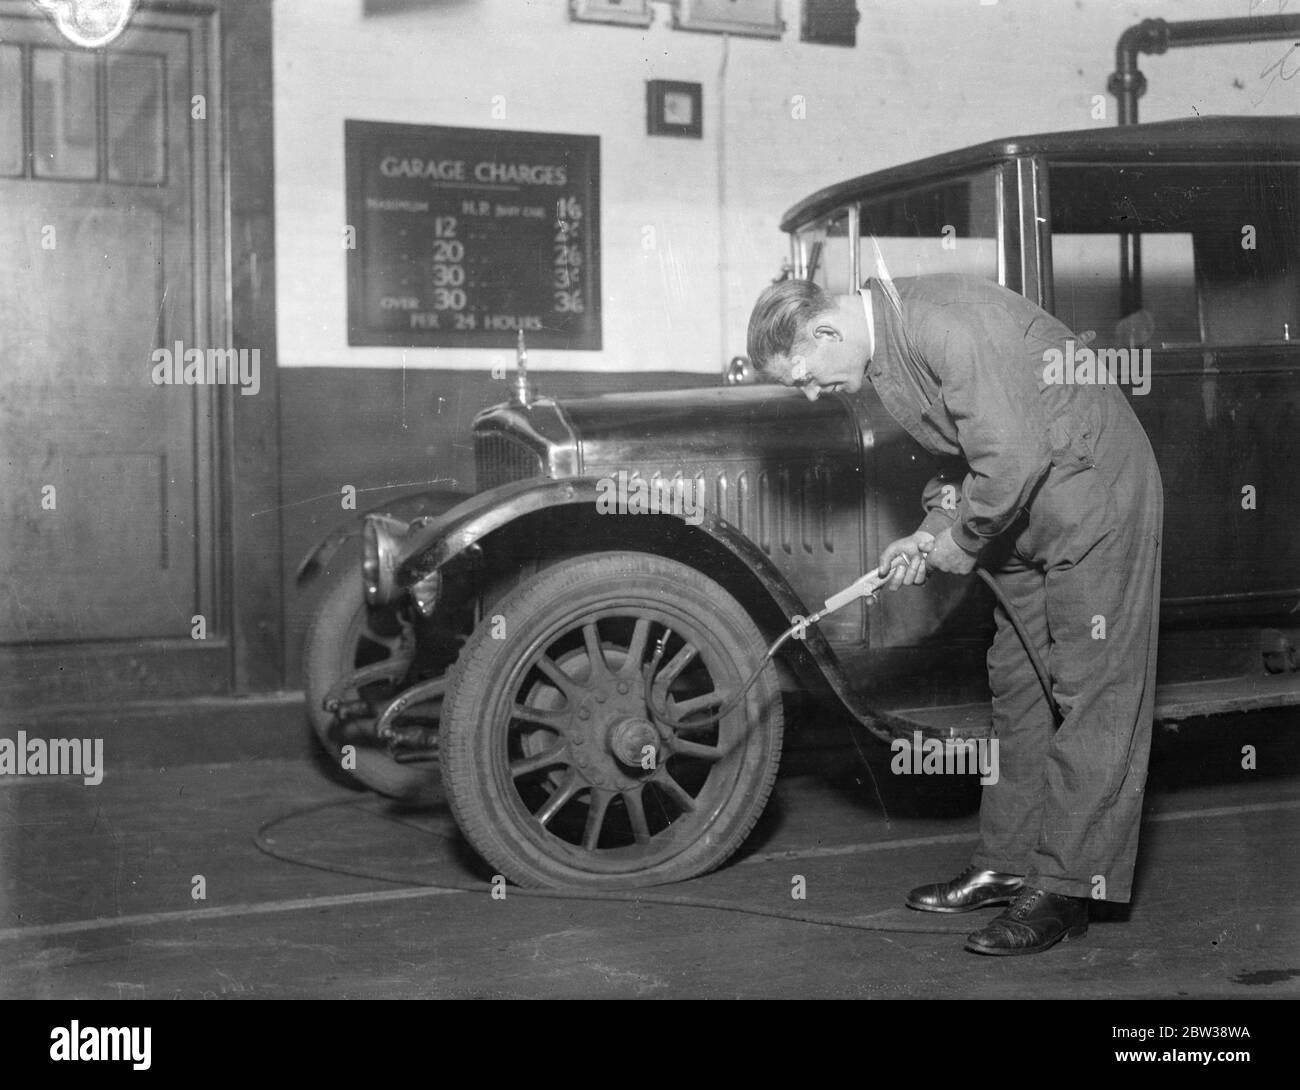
1156, 36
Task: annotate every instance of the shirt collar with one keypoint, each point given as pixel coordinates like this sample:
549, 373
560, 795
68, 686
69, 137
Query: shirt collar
865, 294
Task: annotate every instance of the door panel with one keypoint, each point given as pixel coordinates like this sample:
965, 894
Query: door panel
1223, 425
104, 260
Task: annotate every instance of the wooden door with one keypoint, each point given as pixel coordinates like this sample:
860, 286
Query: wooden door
107, 510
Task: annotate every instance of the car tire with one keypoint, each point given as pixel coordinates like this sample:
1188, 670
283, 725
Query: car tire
555, 796
345, 634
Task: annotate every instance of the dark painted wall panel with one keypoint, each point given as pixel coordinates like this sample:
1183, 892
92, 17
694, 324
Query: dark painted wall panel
387, 432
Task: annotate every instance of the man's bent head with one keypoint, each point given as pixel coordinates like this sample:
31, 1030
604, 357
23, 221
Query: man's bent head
802, 336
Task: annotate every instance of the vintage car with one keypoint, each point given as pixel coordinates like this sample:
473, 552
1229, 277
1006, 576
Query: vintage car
528, 647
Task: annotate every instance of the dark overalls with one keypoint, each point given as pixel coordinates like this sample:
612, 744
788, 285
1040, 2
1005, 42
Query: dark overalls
1063, 477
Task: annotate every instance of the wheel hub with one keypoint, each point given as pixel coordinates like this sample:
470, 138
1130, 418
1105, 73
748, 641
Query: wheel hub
609, 732
630, 737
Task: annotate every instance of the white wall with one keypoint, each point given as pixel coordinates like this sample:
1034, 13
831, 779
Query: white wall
926, 76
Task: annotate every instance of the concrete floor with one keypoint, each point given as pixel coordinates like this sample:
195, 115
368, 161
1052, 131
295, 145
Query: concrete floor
96, 892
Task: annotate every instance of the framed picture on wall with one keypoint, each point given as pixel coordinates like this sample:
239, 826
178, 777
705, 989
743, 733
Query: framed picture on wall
674, 108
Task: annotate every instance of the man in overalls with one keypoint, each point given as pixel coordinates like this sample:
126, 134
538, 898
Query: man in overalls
1063, 501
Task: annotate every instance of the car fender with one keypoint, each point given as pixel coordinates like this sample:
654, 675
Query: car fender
409, 507
437, 540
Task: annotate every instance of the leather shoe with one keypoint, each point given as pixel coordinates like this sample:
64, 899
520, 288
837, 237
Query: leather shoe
1037, 921
973, 888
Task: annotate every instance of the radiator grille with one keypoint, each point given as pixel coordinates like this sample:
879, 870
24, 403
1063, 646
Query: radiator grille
501, 459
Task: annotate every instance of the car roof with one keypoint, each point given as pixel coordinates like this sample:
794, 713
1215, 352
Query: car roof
1200, 139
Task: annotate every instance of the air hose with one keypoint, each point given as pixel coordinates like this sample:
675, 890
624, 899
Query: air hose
866, 587
266, 844
1017, 622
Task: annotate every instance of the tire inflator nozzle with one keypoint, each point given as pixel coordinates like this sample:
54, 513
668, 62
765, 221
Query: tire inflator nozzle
866, 587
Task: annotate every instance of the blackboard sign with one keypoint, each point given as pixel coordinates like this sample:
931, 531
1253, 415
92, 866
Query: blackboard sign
465, 236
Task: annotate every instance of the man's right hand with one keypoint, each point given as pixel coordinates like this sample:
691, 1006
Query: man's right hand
909, 548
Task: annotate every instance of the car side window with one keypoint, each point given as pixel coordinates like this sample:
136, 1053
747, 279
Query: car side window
1177, 255
945, 227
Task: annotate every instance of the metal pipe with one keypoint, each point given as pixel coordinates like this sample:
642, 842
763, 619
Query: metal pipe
1156, 36
720, 148
1128, 84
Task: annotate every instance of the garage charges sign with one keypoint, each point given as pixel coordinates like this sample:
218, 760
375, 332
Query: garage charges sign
466, 236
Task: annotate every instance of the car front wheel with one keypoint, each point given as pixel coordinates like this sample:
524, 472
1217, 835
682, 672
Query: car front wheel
572, 751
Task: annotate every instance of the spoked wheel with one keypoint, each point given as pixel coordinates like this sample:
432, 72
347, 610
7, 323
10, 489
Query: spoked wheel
376, 647
556, 766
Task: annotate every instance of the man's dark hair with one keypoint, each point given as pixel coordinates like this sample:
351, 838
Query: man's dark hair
779, 318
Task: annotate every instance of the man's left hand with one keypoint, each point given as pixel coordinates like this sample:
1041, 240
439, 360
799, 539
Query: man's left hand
946, 555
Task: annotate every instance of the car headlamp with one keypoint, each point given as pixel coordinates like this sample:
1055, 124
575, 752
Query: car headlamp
381, 542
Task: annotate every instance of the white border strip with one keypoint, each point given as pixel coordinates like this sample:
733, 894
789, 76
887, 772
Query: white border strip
219, 912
